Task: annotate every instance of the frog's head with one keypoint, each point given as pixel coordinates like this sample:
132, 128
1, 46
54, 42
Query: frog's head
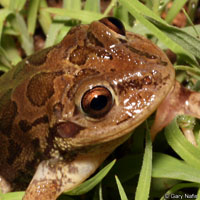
114, 80
85, 95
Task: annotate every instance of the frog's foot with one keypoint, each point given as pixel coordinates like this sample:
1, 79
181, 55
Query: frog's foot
4, 185
179, 101
54, 177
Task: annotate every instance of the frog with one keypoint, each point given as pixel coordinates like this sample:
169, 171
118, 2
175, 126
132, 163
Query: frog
65, 109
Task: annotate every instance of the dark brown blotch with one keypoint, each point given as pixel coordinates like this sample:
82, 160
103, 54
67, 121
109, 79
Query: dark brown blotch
24, 125
40, 88
126, 85
80, 55
39, 58
14, 151
7, 116
42, 120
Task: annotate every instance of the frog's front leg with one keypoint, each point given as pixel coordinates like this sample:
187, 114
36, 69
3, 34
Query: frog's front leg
5, 186
54, 176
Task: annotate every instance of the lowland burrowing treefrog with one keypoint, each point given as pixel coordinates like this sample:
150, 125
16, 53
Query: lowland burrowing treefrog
64, 109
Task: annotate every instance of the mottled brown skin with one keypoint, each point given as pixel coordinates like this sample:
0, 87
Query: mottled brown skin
45, 134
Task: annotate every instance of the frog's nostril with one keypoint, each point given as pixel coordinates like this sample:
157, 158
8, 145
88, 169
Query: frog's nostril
114, 24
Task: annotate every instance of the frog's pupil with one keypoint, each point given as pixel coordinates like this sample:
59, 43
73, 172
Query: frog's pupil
98, 102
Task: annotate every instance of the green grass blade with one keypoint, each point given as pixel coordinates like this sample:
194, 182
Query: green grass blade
121, 189
163, 4
195, 71
52, 34
44, 17
26, 41
92, 5
72, 4
121, 13
190, 30
62, 33
4, 13
185, 40
144, 182
191, 10
17, 5
9, 45
181, 145
83, 15
191, 23
5, 3
92, 182
155, 8
198, 194
12, 196
110, 7
3, 68
32, 15
174, 10
4, 58
133, 6
165, 166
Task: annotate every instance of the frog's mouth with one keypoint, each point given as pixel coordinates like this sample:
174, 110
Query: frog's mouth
83, 136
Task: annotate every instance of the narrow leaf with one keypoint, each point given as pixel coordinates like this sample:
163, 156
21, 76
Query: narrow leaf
52, 34
17, 5
181, 145
133, 7
72, 4
121, 189
83, 15
9, 45
19, 25
32, 15
4, 14
44, 17
92, 5
144, 182
174, 10
12, 196
165, 166
188, 42
5, 3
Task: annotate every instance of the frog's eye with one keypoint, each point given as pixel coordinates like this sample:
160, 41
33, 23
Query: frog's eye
114, 24
97, 102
